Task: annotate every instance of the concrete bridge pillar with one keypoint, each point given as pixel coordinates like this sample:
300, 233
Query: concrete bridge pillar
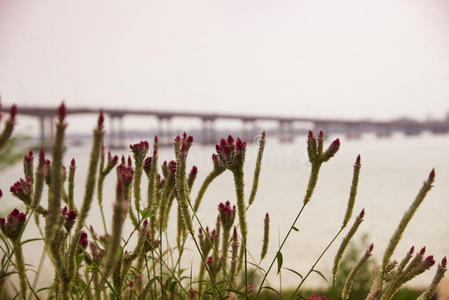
353, 131
208, 133
248, 130
164, 130
46, 123
286, 132
116, 132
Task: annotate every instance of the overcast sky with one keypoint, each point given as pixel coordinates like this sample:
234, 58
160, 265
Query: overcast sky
345, 58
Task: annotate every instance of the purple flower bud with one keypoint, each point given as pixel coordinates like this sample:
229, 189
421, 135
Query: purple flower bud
83, 241
62, 112
432, 175
100, 118
422, 251
13, 226
13, 112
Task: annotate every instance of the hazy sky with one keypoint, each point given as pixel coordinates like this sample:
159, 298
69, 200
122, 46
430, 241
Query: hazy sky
351, 58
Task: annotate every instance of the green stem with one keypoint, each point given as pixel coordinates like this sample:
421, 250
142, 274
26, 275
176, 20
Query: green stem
316, 262
207, 181
20, 263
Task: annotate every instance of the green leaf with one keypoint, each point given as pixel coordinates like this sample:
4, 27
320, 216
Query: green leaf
79, 260
270, 288
146, 213
295, 229
296, 272
321, 274
74, 290
280, 260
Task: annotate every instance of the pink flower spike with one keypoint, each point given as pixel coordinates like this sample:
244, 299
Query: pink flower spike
13, 111
100, 118
362, 214
422, 251
62, 111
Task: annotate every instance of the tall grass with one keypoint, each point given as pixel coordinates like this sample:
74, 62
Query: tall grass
88, 265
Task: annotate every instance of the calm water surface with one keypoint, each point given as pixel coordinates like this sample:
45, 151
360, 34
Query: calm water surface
392, 173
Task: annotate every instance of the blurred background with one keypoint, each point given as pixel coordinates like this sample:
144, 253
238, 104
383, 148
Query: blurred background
374, 73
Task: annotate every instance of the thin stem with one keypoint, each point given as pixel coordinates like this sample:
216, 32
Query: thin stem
279, 250
316, 262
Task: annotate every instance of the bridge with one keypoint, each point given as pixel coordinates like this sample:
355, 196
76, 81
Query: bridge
285, 130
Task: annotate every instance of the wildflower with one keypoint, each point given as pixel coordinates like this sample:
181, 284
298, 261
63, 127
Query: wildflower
9, 126
39, 178
69, 218
266, 233
430, 291
139, 150
23, 190
353, 191
316, 158
28, 164
261, 143
14, 224
147, 165
234, 255
192, 176
126, 174
227, 215
350, 278
394, 241
13, 227
231, 155
182, 147
345, 243
83, 241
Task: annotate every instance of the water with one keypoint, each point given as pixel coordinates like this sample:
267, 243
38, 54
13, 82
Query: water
392, 173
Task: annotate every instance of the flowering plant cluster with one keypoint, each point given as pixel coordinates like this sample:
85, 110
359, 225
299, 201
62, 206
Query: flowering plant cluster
88, 265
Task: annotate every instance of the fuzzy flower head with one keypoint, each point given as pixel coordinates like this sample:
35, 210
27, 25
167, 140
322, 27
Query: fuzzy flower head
125, 173
28, 164
218, 166
69, 217
139, 150
23, 189
231, 154
207, 239
96, 251
192, 175
147, 165
13, 226
168, 169
315, 148
182, 145
83, 241
227, 215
